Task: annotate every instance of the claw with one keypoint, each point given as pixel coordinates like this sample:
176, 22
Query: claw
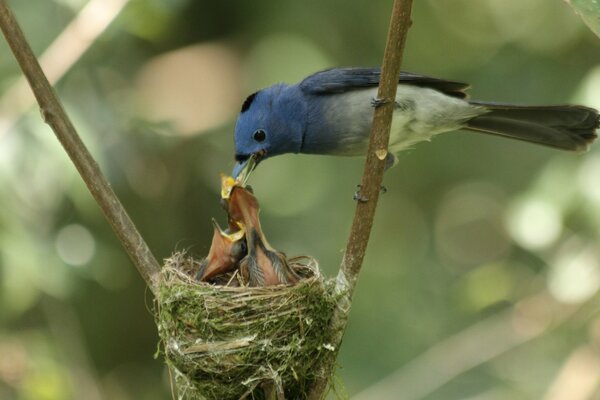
359, 197
378, 102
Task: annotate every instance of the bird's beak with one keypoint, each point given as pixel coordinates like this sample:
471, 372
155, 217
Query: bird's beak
243, 169
239, 167
231, 237
220, 257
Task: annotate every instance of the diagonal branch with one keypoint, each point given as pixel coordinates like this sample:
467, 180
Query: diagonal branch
371, 180
55, 116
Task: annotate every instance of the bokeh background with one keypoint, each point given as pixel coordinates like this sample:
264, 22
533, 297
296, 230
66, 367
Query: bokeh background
482, 274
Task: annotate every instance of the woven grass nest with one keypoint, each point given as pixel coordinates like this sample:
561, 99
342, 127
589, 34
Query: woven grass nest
234, 342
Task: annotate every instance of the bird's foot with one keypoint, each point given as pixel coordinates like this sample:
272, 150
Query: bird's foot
363, 199
378, 102
359, 197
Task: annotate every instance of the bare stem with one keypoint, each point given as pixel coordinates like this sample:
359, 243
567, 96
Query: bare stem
55, 116
371, 181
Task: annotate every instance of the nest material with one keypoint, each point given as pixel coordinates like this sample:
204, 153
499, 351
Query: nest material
229, 342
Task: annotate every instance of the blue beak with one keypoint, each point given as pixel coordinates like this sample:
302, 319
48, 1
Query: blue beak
243, 169
239, 166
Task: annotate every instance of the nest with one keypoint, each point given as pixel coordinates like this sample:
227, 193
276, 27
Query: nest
235, 342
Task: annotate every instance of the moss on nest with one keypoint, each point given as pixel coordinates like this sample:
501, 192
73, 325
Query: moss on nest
228, 342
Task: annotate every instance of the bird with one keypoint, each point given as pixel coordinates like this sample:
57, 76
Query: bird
263, 265
330, 112
226, 251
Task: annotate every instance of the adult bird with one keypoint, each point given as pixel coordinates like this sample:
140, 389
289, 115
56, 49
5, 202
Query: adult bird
330, 112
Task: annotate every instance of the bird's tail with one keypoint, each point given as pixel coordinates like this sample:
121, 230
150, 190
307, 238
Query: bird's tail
562, 127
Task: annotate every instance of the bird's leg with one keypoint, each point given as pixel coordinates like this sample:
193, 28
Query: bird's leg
378, 102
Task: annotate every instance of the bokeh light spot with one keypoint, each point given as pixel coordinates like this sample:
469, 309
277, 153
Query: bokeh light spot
75, 245
589, 90
487, 285
534, 223
195, 88
575, 274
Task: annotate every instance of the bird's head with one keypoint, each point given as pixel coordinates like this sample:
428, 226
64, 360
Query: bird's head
270, 123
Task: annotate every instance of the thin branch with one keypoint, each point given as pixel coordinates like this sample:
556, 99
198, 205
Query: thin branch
55, 116
371, 180
378, 144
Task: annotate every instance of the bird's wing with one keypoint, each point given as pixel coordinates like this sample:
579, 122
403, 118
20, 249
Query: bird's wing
339, 80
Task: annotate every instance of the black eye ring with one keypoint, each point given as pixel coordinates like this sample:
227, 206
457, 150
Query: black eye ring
259, 135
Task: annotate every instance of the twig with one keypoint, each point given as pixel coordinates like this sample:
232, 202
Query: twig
371, 180
55, 116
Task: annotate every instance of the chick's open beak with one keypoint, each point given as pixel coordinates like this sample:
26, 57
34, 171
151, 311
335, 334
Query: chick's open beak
225, 251
247, 245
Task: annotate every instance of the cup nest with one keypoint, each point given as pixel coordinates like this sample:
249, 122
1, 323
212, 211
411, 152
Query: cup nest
233, 342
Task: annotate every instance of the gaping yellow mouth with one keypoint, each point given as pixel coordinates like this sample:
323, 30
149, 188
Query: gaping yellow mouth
233, 237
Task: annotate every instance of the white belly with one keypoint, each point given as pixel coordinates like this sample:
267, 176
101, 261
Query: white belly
422, 113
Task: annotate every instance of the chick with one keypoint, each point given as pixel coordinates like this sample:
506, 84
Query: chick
226, 250
263, 265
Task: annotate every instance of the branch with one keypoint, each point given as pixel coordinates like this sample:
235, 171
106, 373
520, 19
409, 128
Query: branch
371, 180
55, 116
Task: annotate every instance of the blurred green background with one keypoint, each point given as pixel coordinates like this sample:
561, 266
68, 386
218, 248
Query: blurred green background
482, 273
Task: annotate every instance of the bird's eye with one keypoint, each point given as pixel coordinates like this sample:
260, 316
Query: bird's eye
259, 135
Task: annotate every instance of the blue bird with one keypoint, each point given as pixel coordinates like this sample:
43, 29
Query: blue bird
330, 112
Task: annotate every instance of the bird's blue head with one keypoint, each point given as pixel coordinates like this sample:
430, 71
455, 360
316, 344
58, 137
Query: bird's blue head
272, 122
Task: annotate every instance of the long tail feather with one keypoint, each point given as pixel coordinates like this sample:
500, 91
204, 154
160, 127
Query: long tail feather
563, 127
